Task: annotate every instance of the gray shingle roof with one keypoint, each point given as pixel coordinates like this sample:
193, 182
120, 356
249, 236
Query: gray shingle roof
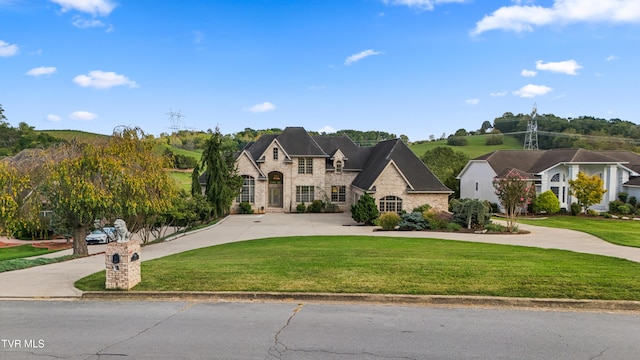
414, 170
536, 161
356, 155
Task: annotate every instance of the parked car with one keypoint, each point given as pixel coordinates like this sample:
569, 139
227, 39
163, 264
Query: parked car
101, 236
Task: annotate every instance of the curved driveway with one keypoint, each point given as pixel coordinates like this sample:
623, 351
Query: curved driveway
56, 280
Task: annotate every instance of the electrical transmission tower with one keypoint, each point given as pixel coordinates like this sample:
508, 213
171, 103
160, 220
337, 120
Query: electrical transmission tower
531, 137
175, 121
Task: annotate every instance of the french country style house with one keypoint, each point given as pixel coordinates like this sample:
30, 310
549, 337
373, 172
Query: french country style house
283, 170
552, 170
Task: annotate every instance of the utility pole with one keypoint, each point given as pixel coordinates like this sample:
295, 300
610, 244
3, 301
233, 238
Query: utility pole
531, 137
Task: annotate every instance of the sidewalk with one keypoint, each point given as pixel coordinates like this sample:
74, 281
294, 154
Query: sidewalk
56, 280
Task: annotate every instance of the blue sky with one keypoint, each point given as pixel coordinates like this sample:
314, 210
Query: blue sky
413, 67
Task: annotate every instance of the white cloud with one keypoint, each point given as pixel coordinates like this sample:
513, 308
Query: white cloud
420, 4
93, 7
520, 18
82, 115
611, 58
500, 93
568, 67
529, 91
359, 56
7, 49
260, 108
53, 118
39, 71
103, 80
81, 23
327, 130
472, 101
528, 73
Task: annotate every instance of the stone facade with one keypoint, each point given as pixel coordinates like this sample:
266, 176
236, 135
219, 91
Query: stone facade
280, 170
122, 262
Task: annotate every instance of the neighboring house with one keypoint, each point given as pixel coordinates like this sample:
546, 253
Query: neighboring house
552, 170
281, 171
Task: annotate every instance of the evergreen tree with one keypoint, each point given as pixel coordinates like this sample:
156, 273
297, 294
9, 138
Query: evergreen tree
222, 180
196, 189
365, 210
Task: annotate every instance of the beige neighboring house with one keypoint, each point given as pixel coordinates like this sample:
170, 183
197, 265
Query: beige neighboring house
552, 170
283, 170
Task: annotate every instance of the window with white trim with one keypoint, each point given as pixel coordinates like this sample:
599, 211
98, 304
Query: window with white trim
391, 204
338, 193
248, 191
338, 166
304, 194
305, 166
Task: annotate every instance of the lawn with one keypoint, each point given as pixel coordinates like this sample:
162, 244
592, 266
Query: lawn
183, 179
476, 147
620, 232
22, 251
361, 264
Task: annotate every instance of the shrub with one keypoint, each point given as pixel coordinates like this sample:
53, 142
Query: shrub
246, 208
624, 209
388, 220
495, 228
365, 210
452, 227
457, 141
495, 207
575, 209
632, 201
413, 221
316, 206
471, 213
331, 208
422, 208
592, 212
546, 202
622, 196
614, 205
301, 208
437, 220
494, 140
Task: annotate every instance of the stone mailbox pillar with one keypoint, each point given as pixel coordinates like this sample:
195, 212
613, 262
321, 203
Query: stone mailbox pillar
123, 265
122, 259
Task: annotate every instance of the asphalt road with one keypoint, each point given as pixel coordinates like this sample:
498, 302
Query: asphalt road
282, 330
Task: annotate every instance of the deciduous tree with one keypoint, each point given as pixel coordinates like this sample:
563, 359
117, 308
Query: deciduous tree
122, 178
446, 163
514, 192
588, 190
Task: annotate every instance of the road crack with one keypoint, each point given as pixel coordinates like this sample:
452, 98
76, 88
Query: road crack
102, 352
278, 348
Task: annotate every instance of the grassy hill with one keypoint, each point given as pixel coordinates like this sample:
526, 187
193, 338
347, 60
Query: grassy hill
68, 135
475, 148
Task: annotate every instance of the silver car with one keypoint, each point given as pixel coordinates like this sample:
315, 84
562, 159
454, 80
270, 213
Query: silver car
101, 236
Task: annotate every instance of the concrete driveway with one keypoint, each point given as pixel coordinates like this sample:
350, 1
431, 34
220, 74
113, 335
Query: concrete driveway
56, 280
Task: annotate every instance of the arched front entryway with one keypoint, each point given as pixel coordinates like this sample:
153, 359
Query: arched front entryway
275, 189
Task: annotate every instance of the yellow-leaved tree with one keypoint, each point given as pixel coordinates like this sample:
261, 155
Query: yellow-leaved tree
119, 178
588, 190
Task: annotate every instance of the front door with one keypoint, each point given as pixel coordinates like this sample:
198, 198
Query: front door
275, 189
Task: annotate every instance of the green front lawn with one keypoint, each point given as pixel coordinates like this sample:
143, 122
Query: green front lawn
620, 232
22, 251
361, 264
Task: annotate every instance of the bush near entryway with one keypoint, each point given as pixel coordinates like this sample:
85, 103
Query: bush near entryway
546, 202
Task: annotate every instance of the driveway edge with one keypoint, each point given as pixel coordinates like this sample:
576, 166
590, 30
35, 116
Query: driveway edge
382, 299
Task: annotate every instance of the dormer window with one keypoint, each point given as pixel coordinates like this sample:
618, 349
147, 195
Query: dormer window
275, 153
338, 166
